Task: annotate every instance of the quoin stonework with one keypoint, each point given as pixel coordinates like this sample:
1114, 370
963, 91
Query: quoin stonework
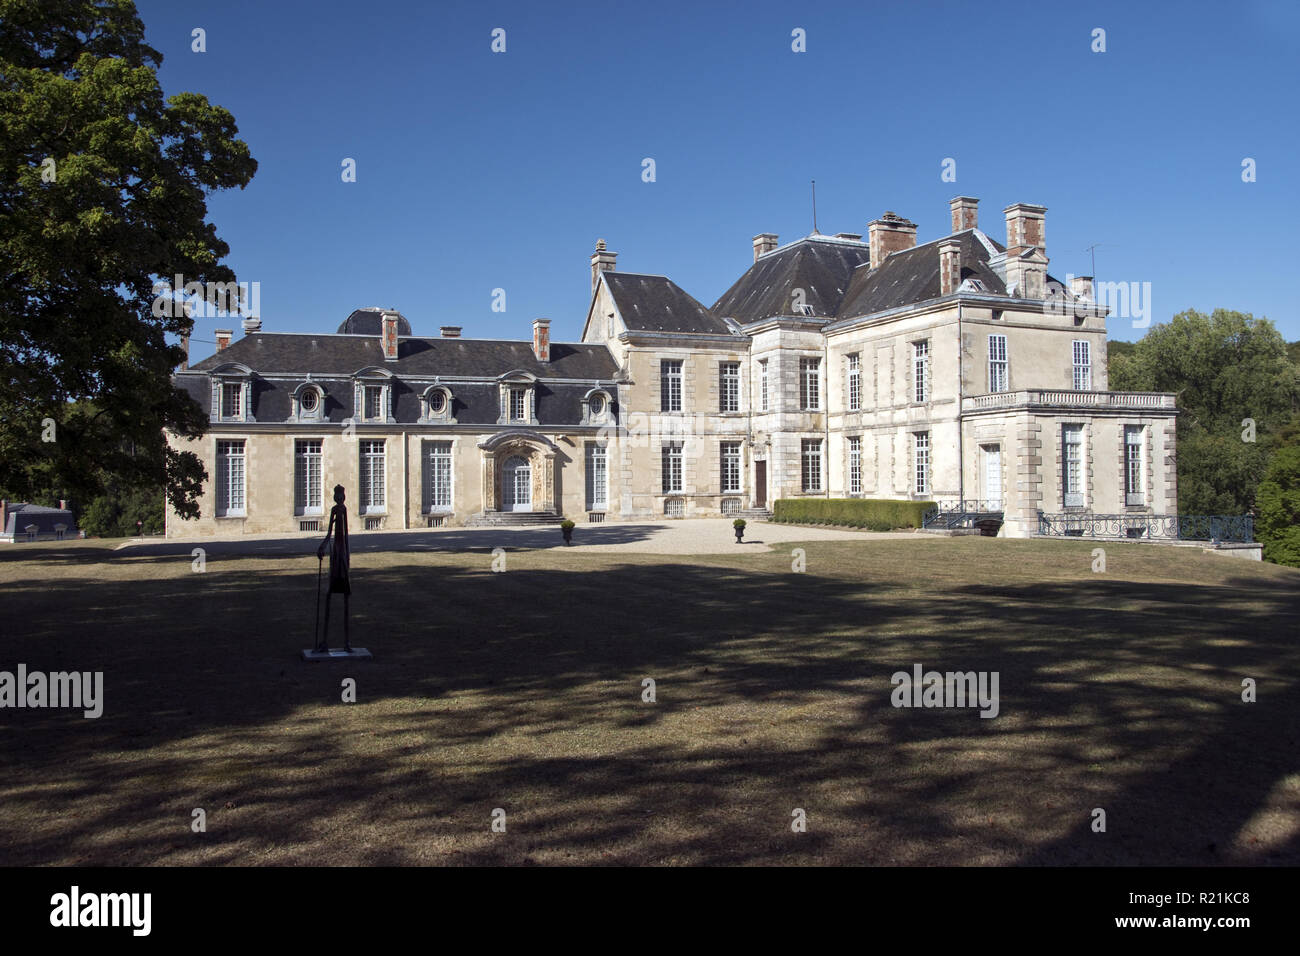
836, 366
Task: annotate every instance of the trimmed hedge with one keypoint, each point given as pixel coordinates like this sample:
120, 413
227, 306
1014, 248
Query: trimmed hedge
874, 514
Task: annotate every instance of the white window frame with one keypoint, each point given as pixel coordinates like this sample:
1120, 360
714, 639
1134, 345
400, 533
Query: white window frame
374, 494
811, 466
921, 371
671, 375
728, 387
236, 411
855, 382
232, 478
855, 464
762, 385
517, 411
597, 476
671, 461
1072, 464
999, 365
308, 476
731, 468
921, 460
1082, 352
439, 477
810, 393
1135, 483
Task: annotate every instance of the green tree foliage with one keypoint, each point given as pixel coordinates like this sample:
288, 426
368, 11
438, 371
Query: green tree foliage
115, 514
103, 191
1225, 368
1277, 506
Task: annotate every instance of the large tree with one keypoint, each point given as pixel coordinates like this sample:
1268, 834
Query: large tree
1226, 367
103, 191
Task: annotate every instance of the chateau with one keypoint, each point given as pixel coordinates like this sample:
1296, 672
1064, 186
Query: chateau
954, 371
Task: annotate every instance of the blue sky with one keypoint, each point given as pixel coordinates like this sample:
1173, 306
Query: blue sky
479, 170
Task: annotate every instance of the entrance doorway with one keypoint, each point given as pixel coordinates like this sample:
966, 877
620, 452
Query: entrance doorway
516, 485
992, 476
760, 484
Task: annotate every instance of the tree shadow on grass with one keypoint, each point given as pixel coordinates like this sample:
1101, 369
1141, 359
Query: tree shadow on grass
524, 690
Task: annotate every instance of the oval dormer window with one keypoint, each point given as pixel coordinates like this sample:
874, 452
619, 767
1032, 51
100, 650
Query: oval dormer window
437, 402
597, 405
309, 399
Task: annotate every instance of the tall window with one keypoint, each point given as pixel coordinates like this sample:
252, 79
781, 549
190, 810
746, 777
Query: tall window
372, 476
922, 445
374, 403
855, 382
810, 394
1134, 486
518, 405
811, 461
1082, 367
437, 475
730, 467
762, 384
672, 467
921, 370
230, 478
306, 477
597, 477
729, 387
997, 363
855, 465
232, 399
1072, 462
670, 385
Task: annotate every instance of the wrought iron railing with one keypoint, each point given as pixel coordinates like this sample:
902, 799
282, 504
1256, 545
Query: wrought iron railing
951, 513
1215, 528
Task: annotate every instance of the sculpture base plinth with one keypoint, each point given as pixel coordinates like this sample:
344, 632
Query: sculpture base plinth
338, 654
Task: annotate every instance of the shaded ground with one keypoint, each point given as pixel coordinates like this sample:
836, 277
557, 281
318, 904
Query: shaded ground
522, 690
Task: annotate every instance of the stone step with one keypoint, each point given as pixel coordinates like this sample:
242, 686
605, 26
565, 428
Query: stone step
513, 519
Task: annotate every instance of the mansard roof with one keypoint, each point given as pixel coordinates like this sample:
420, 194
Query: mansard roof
325, 354
819, 265
657, 304
912, 275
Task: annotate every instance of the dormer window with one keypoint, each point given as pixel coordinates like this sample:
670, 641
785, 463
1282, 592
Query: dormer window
518, 405
597, 407
232, 393
374, 402
373, 395
310, 402
438, 402
518, 398
232, 400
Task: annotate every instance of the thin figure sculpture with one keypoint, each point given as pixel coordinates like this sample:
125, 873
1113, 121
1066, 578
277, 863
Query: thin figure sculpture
337, 532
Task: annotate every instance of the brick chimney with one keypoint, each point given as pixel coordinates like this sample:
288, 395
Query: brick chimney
388, 335
542, 339
949, 266
965, 213
889, 233
63, 504
764, 243
450, 331
223, 338
601, 261
1026, 256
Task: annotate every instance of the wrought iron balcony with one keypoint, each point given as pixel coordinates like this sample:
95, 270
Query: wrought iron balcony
1215, 528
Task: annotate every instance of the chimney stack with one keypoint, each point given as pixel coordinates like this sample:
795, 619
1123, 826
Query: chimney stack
949, 266
601, 261
542, 339
1026, 274
889, 233
63, 504
1081, 286
252, 324
450, 331
388, 335
965, 213
764, 243
223, 338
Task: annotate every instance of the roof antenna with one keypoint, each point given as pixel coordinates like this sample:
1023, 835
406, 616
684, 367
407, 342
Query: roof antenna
1093, 249
816, 232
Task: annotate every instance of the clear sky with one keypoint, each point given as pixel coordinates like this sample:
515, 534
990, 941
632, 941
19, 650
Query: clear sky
478, 170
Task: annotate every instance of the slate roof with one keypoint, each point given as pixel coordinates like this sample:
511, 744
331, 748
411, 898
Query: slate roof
657, 304
821, 266
913, 276
19, 516
333, 359
368, 321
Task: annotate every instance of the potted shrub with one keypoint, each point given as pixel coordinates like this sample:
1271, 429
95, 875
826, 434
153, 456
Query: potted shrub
566, 529
739, 525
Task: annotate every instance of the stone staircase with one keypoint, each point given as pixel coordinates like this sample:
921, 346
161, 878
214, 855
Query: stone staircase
513, 519
753, 514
